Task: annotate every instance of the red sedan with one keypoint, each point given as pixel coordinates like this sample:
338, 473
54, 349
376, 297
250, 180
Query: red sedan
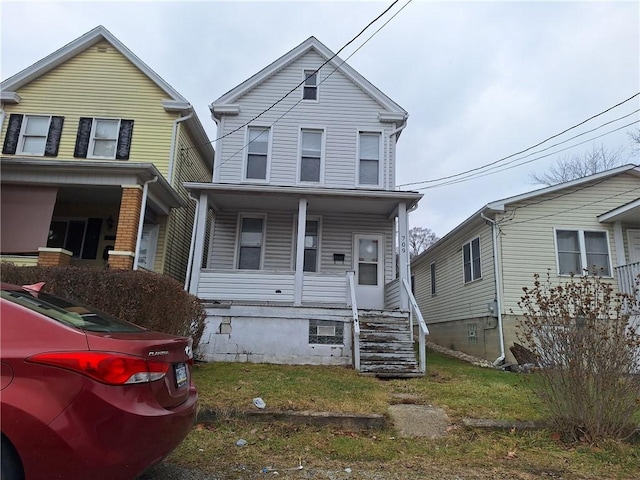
85, 395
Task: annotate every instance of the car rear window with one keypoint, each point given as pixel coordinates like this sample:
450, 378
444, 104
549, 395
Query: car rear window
70, 313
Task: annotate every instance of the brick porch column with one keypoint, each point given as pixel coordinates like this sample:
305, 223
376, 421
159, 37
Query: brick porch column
53, 257
122, 256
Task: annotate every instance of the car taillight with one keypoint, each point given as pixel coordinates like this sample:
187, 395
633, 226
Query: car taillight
106, 367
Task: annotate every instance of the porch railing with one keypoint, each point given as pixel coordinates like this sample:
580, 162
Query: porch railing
422, 326
356, 322
627, 276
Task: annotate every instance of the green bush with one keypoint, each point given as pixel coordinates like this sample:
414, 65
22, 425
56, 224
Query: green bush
148, 299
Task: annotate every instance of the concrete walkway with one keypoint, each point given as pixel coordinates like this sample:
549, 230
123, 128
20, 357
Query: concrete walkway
412, 421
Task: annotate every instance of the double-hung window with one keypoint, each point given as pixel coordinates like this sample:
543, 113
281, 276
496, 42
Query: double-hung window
250, 242
369, 148
104, 138
471, 260
311, 245
582, 251
310, 86
310, 155
257, 153
33, 135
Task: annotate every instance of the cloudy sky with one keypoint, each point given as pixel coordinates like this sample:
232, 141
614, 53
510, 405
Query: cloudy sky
480, 80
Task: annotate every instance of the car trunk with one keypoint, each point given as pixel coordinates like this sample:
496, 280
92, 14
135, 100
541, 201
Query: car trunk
173, 388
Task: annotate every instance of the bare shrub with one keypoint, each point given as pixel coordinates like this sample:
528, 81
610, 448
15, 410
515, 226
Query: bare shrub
586, 341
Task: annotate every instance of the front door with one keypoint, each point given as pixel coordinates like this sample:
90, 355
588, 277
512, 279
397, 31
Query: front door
369, 270
633, 236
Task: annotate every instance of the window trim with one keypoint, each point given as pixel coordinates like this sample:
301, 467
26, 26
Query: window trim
582, 247
22, 135
304, 85
301, 130
236, 255
470, 243
92, 138
245, 163
294, 248
380, 183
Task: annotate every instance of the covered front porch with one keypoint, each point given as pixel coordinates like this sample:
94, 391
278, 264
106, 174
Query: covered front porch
625, 221
84, 213
304, 269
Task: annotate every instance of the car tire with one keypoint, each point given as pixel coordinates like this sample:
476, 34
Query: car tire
11, 467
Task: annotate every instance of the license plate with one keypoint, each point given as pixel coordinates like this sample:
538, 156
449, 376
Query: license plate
181, 374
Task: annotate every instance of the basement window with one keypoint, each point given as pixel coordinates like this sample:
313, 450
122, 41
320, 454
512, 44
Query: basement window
326, 332
472, 332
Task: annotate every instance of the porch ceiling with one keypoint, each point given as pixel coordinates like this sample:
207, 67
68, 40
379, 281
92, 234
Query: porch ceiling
233, 197
84, 175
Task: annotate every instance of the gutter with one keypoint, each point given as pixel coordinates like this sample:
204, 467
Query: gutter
388, 162
143, 208
496, 264
172, 150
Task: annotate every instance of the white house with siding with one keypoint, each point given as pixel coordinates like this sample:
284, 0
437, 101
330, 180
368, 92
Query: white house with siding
469, 282
295, 238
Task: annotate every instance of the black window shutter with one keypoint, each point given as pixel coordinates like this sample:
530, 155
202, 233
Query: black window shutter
124, 140
53, 137
92, 238
13, 134
82, 140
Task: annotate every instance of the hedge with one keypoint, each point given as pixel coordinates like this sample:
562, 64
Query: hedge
148, 299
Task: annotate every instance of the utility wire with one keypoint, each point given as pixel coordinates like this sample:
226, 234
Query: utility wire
219, 164
303, 80
500, 168
482, 167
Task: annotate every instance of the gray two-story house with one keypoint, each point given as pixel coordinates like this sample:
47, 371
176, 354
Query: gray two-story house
297, 238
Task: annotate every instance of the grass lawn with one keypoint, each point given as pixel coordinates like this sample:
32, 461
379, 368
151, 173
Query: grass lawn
461, 389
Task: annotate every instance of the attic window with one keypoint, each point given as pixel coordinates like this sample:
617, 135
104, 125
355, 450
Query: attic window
310, 89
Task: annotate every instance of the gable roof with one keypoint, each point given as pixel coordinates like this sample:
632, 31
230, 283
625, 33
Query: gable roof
313, 44
500, 205
175, 102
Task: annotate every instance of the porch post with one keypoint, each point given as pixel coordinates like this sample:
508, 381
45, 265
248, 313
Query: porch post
403, 253
299, 276
618, 240
123, 254
198, 253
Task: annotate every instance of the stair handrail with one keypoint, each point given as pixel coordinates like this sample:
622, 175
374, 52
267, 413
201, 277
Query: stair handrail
356, 321
424, 331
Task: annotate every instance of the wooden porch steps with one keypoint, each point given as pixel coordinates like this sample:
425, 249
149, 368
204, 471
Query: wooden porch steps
386, 349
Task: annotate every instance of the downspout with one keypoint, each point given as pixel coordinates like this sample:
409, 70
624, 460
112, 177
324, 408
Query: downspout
496, 264
143, 208
388, 162
172, 151
187, 279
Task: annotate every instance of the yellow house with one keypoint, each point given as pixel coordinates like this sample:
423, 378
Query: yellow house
95, 150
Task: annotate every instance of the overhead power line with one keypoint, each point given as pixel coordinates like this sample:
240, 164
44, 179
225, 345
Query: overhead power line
483, 167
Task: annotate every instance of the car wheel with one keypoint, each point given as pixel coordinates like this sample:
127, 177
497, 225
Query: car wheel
10, 468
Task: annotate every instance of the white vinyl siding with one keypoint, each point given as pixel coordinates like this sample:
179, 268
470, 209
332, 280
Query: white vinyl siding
336, 236
369, 159
343, 106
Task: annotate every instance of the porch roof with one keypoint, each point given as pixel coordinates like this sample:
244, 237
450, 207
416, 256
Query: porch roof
232, 197
80, 174
629, 213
